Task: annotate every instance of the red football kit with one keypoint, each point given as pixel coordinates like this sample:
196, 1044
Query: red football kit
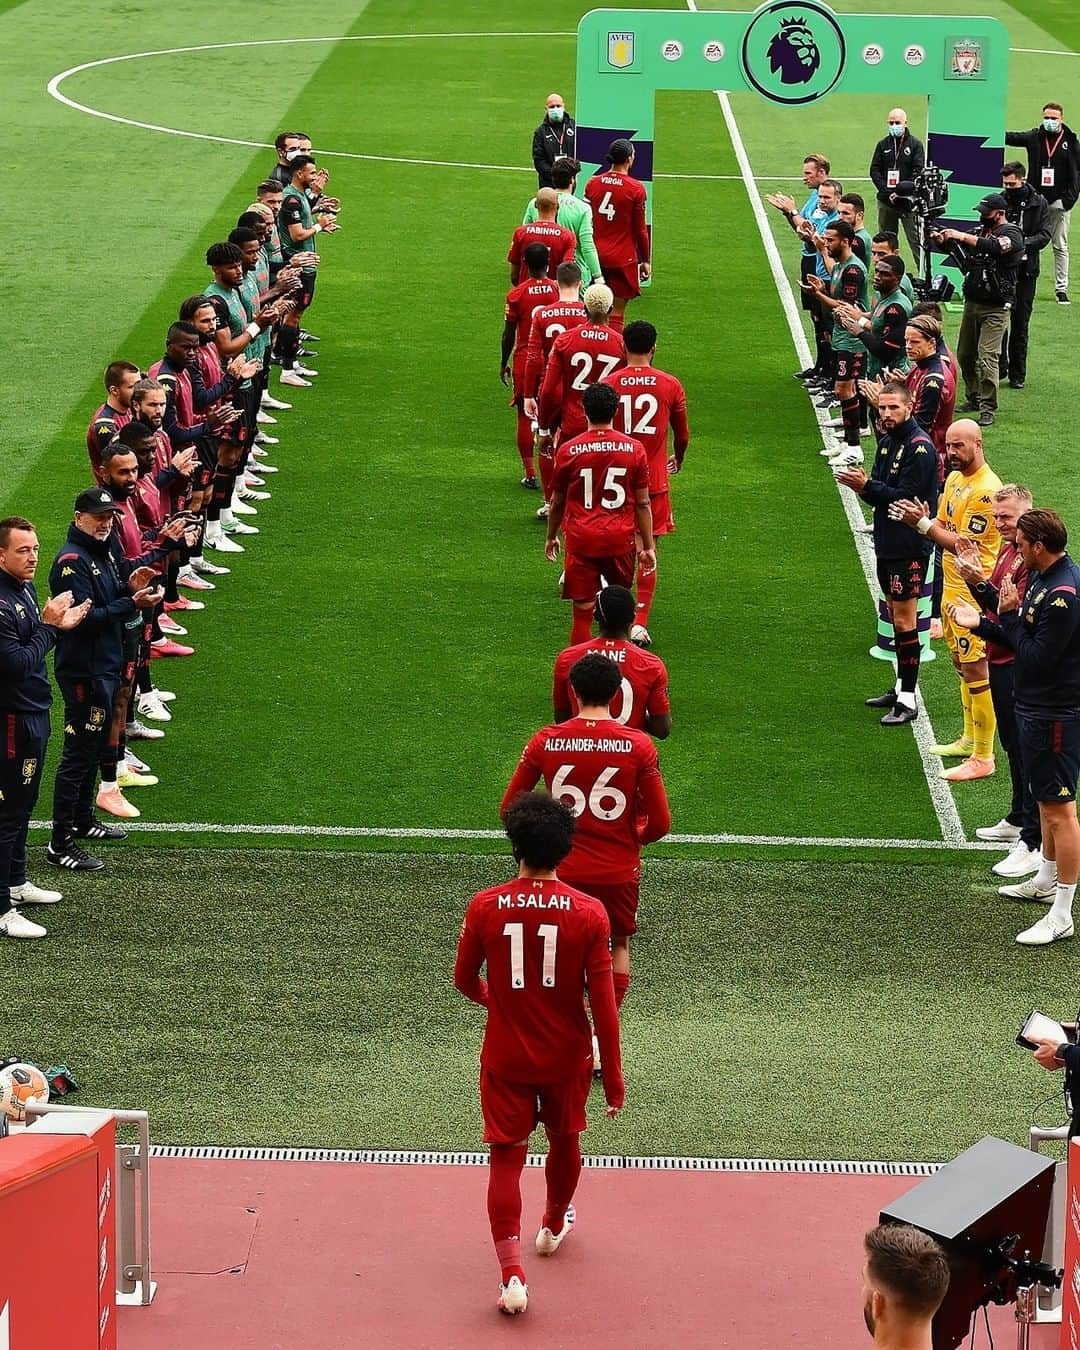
522, 301
644, 686
104, 425
557, 239
650, 401
599, 475
579, 357
548, 322
609, 777
622, 237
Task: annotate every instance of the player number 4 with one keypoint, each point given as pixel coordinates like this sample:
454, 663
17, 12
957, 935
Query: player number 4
604, 801
612, 493
516, 933
606, 208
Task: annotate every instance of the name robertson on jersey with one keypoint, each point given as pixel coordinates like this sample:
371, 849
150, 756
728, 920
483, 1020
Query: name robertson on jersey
531, 900
602, 745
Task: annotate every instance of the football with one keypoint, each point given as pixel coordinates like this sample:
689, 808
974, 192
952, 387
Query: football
21, 1085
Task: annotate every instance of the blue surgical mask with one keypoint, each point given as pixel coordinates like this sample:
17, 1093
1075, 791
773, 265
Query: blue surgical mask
555, 114
1051, 124
896, 129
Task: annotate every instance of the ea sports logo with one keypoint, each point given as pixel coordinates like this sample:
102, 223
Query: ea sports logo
793, 54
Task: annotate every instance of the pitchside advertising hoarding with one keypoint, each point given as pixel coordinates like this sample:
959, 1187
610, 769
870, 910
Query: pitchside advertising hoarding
1070, 1286
794, 56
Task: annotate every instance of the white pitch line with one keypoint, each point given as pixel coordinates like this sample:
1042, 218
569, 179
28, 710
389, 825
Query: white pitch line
952, 829
433, 832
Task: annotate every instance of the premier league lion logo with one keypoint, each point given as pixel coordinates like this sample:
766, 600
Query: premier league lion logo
793, 53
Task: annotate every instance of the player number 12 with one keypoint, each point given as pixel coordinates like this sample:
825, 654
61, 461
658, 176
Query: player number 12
516, 933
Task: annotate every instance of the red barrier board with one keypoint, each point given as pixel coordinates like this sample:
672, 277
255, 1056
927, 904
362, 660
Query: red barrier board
49, 1193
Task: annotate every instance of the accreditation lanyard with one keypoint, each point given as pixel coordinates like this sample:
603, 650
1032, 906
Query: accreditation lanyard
562, 134
892, 176
1046, 142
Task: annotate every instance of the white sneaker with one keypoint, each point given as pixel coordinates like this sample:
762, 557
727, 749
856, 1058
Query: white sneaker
547, 1242
640, 634
168, 624
295, 381
827, 451
542, 512
848, 458
191, 580
1001, 833
166, 695
1020, 862
261, 438
29, 894
513, 1297
249, 493
204, 568
151, 706
269, 401
16, 925
135, 731
262, 467
1044, 931
265, 419
238, 526
134, 763
303, 370
223, 544
1027, 890
240, 507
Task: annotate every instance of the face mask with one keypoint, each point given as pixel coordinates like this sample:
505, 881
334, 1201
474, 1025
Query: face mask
895, 129
555, 114
1051, 124
1013, 195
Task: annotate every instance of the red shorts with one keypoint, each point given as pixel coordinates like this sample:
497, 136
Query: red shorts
663, 522
513, 1110
623, 281
619, 898
581, 575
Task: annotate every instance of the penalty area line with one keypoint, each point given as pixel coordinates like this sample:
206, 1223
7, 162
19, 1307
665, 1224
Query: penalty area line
433, 832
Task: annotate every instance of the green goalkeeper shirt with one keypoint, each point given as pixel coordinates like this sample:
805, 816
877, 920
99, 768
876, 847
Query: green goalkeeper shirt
575, 215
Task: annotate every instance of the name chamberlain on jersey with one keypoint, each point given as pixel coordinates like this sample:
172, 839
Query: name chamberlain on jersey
531, 900
559, 744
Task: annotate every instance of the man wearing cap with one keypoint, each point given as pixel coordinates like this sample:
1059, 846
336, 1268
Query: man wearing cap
554, 137
26, 635
89, 668
990, 261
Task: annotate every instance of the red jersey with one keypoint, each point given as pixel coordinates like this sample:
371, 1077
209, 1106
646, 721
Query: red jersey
126, 524
544, 944
932, 382
644, 686
104, 425
649, 401
599, 474
1009, 563
618, 210
521, 303
609, 777
559, 241
579, 357
211, 369
548, 322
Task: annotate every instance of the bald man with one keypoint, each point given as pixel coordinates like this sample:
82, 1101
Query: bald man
556, 136
964, 528
559, 241
898, 157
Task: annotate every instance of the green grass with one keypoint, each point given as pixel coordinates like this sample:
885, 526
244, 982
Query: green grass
777, 1009
383, 650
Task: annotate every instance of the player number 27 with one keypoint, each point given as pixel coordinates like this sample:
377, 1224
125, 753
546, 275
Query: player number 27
516, 933
604, 801
612, 491
584, 363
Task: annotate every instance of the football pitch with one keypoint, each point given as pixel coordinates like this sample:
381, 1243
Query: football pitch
365, 679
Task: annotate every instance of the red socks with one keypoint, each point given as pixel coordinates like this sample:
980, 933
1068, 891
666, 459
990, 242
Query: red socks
547, 467
581, 627
646, 589
525, 443
615, 322
504, 1206
622, 984
562, 1170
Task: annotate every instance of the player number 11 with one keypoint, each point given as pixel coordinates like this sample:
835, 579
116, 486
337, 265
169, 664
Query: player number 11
516, 933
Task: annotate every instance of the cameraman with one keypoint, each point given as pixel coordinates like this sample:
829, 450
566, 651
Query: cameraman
1030, 212
990, 262
905, 1280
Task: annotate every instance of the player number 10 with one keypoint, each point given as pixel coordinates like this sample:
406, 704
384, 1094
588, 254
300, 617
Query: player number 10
604, 801
516, 933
